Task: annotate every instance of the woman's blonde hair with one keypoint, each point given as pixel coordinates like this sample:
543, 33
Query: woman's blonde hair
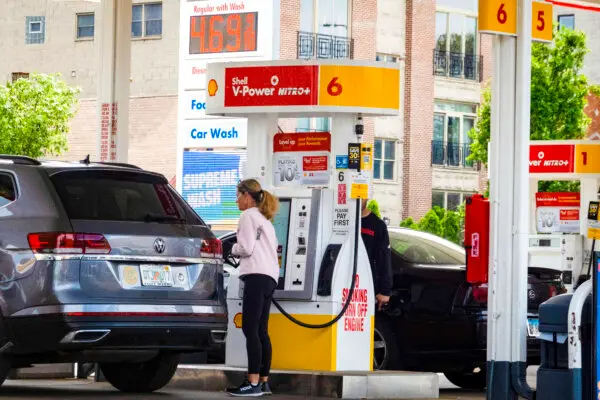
267, 203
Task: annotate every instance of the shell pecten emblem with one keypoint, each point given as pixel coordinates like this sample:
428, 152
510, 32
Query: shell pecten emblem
212, 87
237, 320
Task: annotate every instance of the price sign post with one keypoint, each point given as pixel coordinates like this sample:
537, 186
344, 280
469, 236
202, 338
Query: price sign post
541, 26
498, 17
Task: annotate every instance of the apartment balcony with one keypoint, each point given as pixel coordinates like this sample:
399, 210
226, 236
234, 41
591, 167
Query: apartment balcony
451, 155
317, 45
458, 65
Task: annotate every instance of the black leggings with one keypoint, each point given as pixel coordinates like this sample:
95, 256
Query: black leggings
258, 292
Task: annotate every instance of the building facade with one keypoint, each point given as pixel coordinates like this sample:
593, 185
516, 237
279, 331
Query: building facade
60, 36
448, 63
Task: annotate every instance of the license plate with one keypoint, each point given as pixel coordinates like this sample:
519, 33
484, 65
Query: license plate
533, 327
156, 275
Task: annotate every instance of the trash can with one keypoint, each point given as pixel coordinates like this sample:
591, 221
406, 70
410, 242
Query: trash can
554, 379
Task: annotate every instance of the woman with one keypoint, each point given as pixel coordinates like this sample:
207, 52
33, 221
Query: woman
259, 270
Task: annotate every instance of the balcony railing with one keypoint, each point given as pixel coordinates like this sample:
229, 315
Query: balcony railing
458, 65
317, 45
451, 155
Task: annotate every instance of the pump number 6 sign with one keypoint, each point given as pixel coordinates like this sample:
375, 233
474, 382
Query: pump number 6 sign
498, 17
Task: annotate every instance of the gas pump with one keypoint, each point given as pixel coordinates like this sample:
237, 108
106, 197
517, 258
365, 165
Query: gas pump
323, 313
561, 241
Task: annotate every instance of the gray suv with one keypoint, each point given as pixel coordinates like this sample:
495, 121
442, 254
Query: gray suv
104, 263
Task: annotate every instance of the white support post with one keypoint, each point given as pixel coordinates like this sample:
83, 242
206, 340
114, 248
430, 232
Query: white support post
521, 215
259, 165
114, 79
510, 203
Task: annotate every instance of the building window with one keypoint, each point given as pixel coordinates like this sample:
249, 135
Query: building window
384, 160
35, 28
451, 142
85, 26
327, 17
566, 21
448, 200
146, 20
456, 46
19, 75
313, 125
387, 58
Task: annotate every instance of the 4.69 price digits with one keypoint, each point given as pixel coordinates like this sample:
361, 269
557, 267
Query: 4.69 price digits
225, 33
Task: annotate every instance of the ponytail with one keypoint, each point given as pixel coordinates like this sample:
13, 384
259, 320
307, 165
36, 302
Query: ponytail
268, 205
266, 202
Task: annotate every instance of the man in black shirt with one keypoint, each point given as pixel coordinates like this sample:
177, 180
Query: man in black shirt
377, 241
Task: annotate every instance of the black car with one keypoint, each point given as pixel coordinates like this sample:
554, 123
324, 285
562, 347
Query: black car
436, 321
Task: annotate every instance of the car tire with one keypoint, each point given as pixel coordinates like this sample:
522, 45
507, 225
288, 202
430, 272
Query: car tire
385, 347
468, 380
144, 377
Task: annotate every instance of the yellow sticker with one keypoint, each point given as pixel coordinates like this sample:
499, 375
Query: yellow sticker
130, 275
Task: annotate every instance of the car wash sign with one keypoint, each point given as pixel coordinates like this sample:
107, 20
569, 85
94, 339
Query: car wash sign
209, 184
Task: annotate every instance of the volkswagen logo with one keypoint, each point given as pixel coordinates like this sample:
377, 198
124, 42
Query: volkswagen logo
532, 295
159, 246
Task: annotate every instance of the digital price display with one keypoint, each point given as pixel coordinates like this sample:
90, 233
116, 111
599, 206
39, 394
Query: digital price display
223, 33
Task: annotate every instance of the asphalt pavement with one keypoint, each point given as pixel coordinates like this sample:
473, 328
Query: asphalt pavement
89, 390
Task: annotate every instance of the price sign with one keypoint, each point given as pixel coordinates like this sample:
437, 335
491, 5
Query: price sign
498, 17
587, 158
223, 33
353, 155
541, 25
366, 157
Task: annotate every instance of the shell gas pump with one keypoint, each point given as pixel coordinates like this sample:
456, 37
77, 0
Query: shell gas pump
324, 303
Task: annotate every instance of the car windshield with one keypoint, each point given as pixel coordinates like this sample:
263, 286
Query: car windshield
121, 196
419, 250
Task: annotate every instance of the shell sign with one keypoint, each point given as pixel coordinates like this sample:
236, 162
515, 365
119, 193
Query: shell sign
212, 87
237, 320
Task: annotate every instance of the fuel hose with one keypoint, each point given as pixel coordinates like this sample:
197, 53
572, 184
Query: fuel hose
350, 293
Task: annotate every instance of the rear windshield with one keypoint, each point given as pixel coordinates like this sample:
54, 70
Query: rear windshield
419, 250
121, 196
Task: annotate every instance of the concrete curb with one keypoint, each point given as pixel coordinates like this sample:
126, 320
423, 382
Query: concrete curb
349, 385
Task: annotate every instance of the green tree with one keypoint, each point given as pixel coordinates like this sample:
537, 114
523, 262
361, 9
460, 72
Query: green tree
35, 115
431, 223
409, 223
451, 226
373, 206
558, 96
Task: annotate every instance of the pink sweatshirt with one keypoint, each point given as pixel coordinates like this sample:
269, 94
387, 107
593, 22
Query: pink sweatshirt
256, 245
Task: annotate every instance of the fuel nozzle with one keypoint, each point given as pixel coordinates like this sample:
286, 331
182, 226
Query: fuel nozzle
359, 128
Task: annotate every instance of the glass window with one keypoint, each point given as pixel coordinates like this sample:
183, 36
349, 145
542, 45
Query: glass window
146, 20
420, 250
307, 15
121, 196
438, 199
453, 201
136, 24
566, 21
8, 192
35, 27
455, 107
153, 19
384, 159
470, 35
441, 30
322, 124
85, 26
303, 125
35, 30
332, 17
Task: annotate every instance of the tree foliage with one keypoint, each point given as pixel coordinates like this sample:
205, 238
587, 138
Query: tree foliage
373, 206
558, 94
35, 115
441, 222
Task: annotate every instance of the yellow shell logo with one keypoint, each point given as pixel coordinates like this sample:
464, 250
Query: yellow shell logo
212, 87
237, 320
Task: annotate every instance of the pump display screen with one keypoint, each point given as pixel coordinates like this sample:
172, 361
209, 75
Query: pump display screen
281, 222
